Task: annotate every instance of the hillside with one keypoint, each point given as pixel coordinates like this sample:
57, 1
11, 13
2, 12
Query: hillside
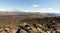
36, 23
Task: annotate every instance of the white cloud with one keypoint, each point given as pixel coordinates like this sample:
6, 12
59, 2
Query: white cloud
35, 5
43, 10
15, 10
48, 10
4, 9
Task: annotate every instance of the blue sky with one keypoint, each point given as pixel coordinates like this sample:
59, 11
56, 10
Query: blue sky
31, 5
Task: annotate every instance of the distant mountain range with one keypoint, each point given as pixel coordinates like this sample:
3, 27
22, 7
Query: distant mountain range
27, 13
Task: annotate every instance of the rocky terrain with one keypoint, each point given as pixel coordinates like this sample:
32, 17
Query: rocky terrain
29, 23
18, 24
